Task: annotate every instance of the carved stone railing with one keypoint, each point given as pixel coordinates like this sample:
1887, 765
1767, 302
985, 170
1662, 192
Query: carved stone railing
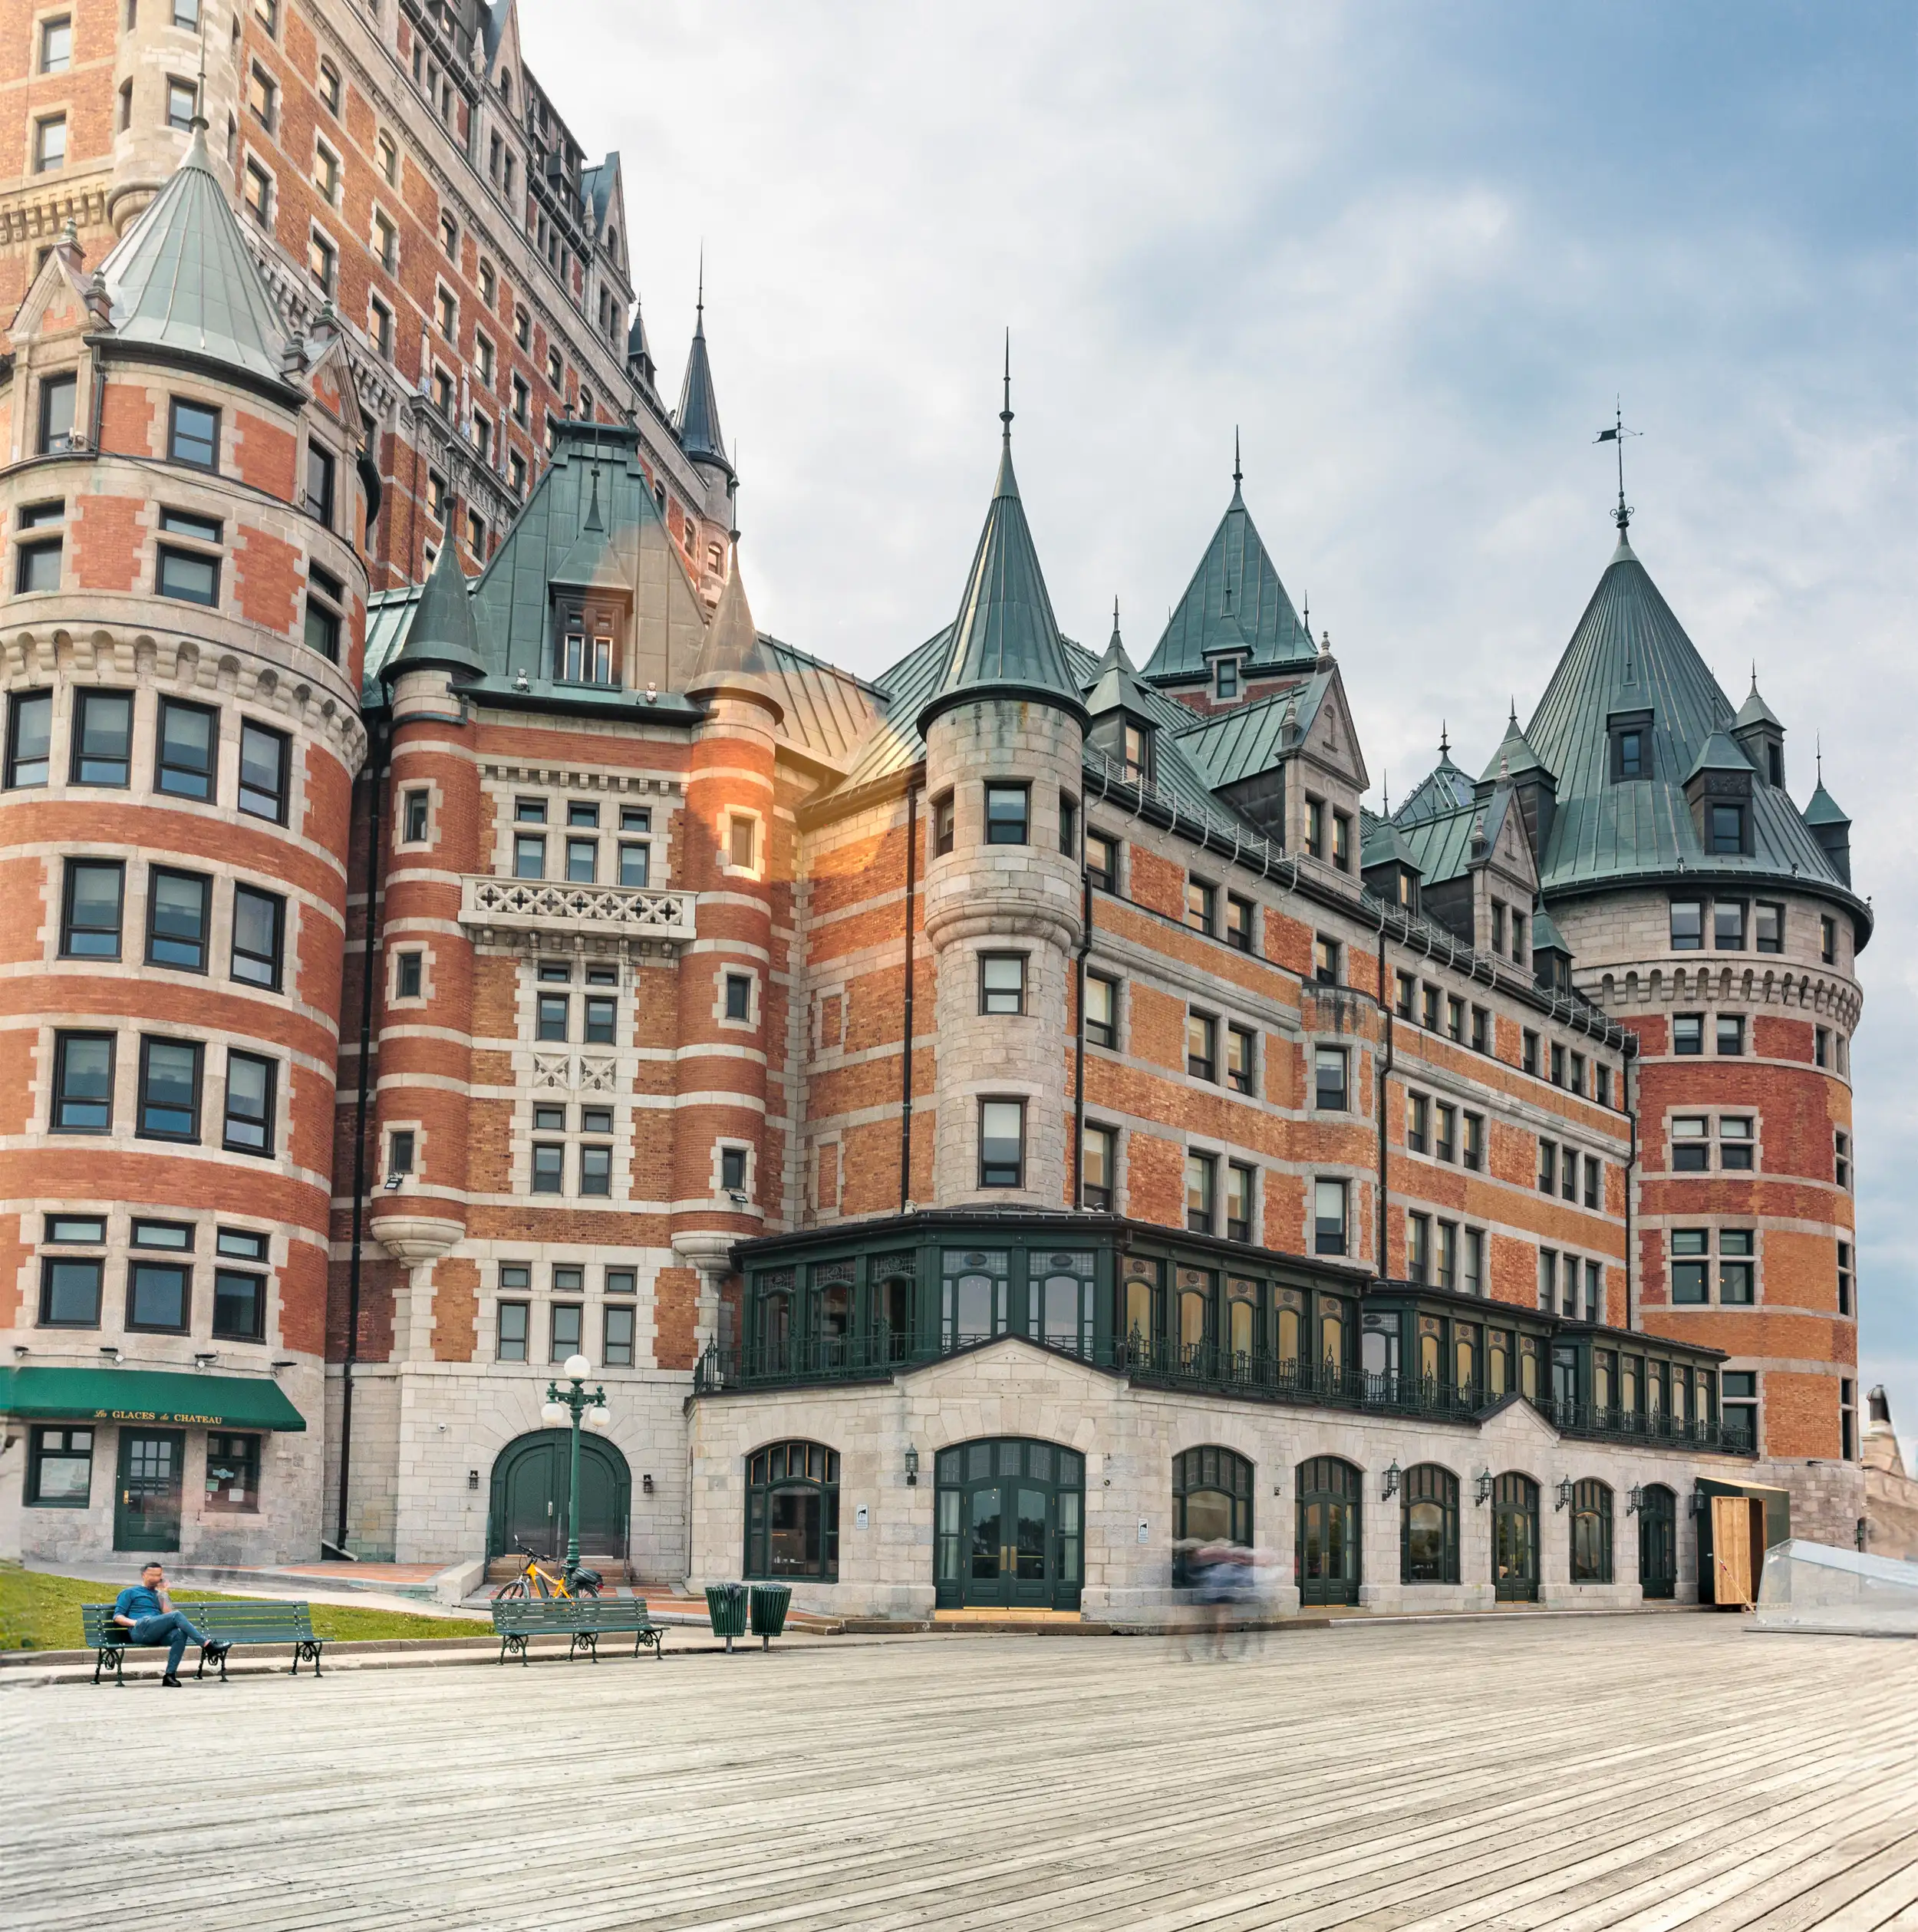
550, 906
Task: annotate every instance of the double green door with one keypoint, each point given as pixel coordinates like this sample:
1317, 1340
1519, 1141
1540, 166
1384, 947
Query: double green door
1514, 1539
1011, 1526
1658, 1542
531, 1494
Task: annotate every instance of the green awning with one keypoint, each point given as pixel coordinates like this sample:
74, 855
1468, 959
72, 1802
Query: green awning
148, 1396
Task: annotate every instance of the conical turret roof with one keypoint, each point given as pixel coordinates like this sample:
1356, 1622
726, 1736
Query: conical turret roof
1514, 754
442, 634
182, 278
733, 657
1823, 808
1235, 598
1754, 710
1445, 788
1005, 639
697, 419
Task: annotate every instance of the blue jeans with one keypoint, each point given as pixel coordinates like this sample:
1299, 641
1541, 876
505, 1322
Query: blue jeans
171, 1630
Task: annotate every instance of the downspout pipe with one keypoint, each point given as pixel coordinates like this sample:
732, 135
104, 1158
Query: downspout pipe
905, 1054
375, 816
1629, 1079
1385, 1074
1079, 1070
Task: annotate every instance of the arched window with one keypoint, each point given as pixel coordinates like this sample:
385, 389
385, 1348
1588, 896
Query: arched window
1327, 1550
1591, 1532
1428, 1526
1211, 1503
892, 1280
793, 1512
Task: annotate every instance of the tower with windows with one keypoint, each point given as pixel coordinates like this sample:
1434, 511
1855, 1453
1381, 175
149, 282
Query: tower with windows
1004, 736
185, 491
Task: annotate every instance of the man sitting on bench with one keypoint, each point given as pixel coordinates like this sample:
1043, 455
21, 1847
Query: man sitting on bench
150, 1617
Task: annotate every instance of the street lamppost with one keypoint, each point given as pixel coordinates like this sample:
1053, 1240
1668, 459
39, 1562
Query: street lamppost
576, 1405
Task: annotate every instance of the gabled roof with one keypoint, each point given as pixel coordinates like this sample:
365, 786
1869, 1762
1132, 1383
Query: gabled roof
1719, 753
1382, 843
1629, 654
697, 419
1005, 638
1443, 789
1249, 739
1546, 936
1754, 710
1116, 685
182, 280
1441, 844
1235, 594
1823, 808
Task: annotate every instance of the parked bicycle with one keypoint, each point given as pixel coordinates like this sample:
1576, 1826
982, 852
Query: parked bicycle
533, 1581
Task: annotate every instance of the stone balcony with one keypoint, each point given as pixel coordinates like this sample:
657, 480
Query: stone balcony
495, 908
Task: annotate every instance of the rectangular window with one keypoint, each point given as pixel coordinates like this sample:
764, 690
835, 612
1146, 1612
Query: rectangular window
1067, 826
1406, 995
415, 810
1602, 1076
1480, 1030
380, 325
29, 739
1240, 1050
1238, 1202
232, 1472
56, 396
251, 1081
262, 96
742, 841
568, 1324
551, 1016
733, 1169
1739, 1408
239, 1306
193, 434
1328, 1217
320, 469
329, 86
187, 576
1002, 1143
259, 920
1730, 1032
1238, 922
1201, 1046
1098, 1164
1102, 861
103, 737
400, 1151
635, 863
513, 1323
257, 195
187, 749
263, 771
1002, 982
160, 1296
1767, 926
1201, 1189
1594, 1183
1688, 1032
1828, 940
1342, 841
1568, 1175
1548, 1166
91, 910
1557, 1064
1689, 1245
1136, 756
1844, 1278
83, 1083
1577, 1079
1329, 1092
37, 566
1548, 1279
60, 1468
1418, 1115
1841, 1158
601, 1021
1448, 1257
176, 1237
410, 976
530, 854
50, 144
1728, 925
1734, 1143
548, 1168
322, 260
1008, 809
1200, 900
1821, 1046
70, 1291
1687, 925
1454, 1018
738, 996
56, 44
1315, 827
1444, 1144
1325, 961
1418, 1248
1518, 935
943, 821
1471, 1278
1102, 1010
595, 1169
618, 1349
169, 1078
179, 915
582, 861
1429, 1008
1725, 830
1530, 1052
1736, 1248
1473, 1151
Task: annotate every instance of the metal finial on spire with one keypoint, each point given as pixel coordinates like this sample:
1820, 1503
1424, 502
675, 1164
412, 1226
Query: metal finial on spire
1238, 473
1005, 408
699, 301
1819, 743
1622, 516
1444, 739
1514, 718
1386, 782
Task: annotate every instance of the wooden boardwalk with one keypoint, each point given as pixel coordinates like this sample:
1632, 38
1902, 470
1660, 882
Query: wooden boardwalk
1654, 1774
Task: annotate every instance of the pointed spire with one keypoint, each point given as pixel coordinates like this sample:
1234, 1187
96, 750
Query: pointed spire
639, 353
442, 634
731, 660
1444, 740
593, 522
1238, 471
1514, 756
697, 419
1005, 640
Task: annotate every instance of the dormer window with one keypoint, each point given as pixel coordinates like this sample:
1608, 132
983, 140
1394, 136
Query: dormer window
1631, 742
1137, 760
1726, 825
583, 643
1225, 678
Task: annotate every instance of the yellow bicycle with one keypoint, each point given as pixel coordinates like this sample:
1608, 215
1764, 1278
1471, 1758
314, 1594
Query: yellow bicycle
533, 1581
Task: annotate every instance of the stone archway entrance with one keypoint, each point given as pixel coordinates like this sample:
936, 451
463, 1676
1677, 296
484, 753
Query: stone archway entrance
530, 1486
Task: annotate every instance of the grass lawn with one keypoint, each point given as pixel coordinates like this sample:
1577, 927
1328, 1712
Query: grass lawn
42, 1613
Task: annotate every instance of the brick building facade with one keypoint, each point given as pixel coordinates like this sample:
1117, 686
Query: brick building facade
991, 1128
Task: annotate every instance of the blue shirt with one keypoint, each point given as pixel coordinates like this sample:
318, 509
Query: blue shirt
137, 1601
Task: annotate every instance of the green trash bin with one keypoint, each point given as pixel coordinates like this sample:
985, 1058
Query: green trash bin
770, 1603
727, 1604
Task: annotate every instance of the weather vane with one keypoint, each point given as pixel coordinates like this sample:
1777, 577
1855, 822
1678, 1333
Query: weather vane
1622, 516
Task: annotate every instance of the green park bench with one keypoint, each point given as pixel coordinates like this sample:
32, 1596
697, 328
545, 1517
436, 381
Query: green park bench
227, 1624
583, 1619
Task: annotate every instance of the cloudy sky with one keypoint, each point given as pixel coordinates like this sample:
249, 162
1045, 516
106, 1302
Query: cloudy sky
1413, 252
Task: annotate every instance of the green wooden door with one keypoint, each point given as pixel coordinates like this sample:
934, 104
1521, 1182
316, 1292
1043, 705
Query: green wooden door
146, 1502
531, 1482
1010, 1516
1514, 1539
1658, 1541
1326, 1556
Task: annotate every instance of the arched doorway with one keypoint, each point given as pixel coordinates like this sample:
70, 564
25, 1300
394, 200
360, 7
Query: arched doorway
531, 1482
1658, 1541
1327, 1553
1010, 1518
1515, 1539
1211, 1503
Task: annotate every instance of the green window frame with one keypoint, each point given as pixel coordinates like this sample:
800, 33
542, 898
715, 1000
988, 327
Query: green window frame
1591, 1539
792, 1512
1428, 1526
1211, 1503
60, 1468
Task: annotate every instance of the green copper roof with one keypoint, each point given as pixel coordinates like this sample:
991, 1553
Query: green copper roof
1823, 808
1719, 753
1546, 936
1116, 686
1754, 710
1443, 789
697, 419
1235, 596
1249, 739
733, 657
441, 632
182, 278
1382, 843
1441, 843
1005, 638
1514, 754
1629, 654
